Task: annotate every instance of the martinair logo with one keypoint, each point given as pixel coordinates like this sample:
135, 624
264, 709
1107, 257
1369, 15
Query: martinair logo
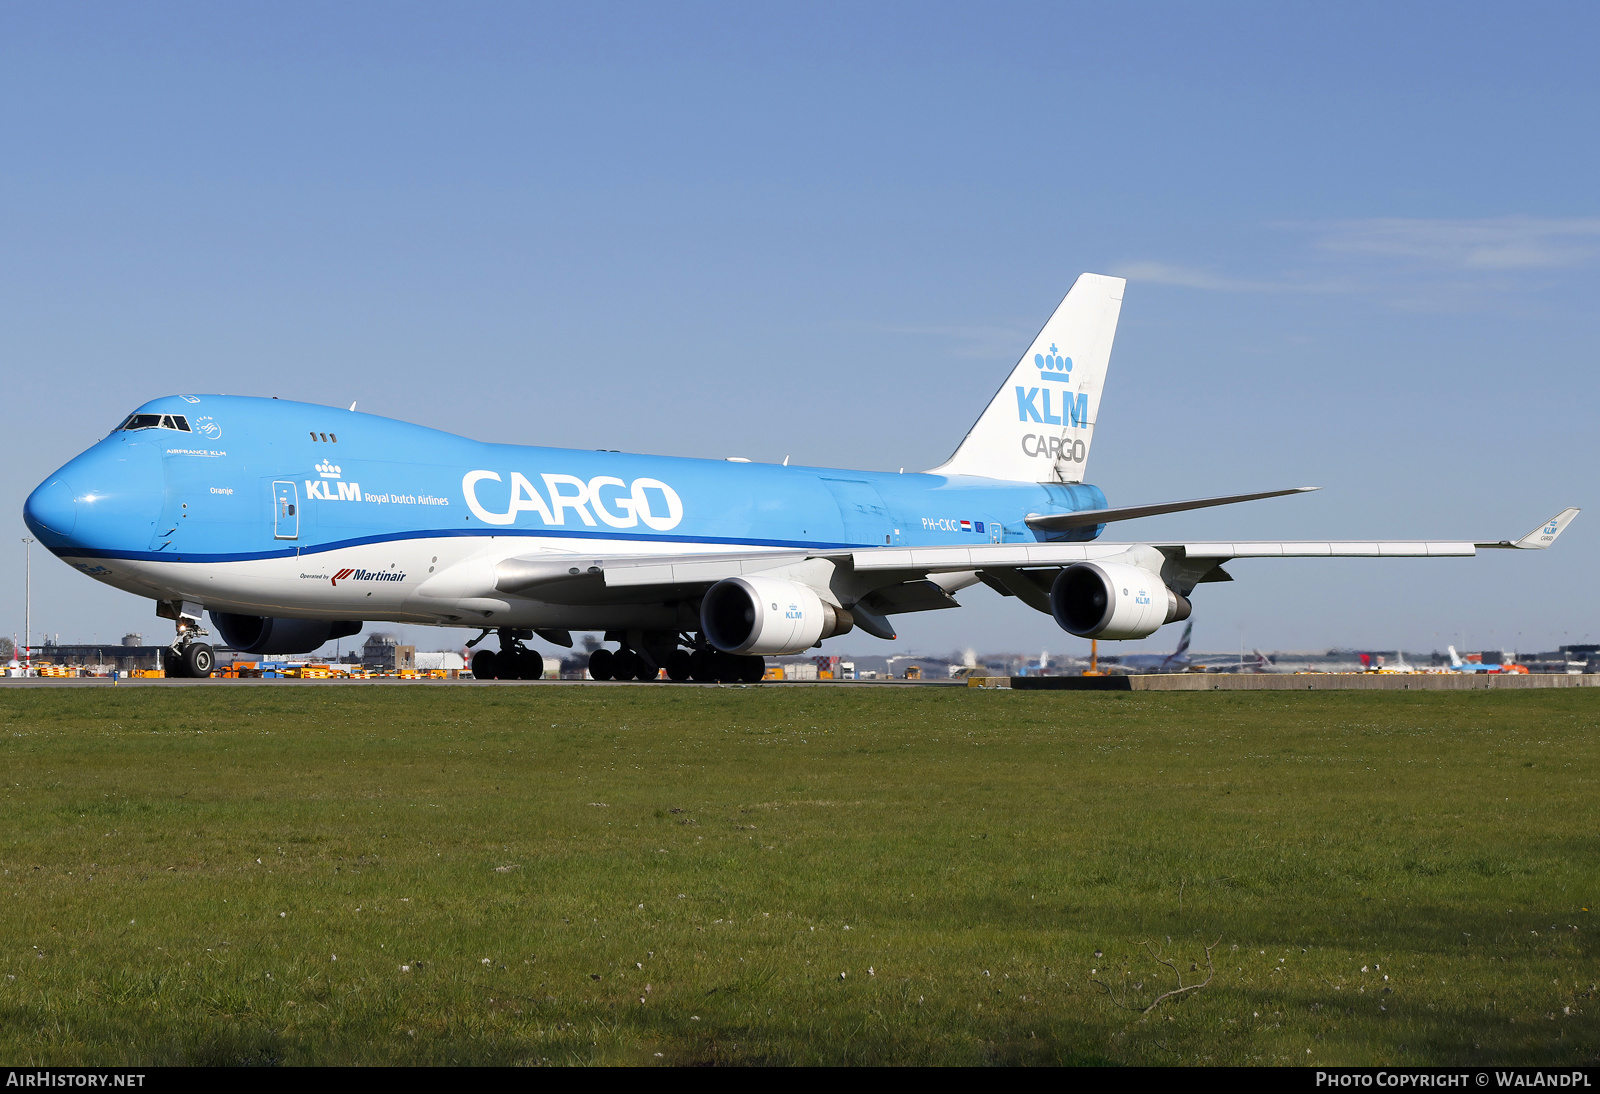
367, 575
328, 472
1036, 404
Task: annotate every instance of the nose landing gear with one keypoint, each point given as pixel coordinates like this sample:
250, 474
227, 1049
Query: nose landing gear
187, 658
190, 660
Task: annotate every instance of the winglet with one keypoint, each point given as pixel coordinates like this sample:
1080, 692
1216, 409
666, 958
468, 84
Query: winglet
1542, 536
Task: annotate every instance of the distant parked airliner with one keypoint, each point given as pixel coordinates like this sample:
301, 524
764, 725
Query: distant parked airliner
292, 523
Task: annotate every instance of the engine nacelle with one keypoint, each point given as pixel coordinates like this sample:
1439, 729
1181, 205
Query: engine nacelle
768, 615
1113, 600
270, 634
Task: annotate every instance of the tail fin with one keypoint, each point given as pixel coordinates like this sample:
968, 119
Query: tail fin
1039, 427
1183, 643
1455, 658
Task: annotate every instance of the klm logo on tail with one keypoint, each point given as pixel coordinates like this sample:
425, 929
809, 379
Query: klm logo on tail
1044, 434
1034, 404
1054, 367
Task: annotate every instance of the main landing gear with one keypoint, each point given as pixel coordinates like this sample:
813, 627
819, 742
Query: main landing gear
513, 661
698, 663
623, 664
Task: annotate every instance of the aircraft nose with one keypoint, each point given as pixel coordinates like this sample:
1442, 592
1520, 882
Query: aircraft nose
52, 509
102, 500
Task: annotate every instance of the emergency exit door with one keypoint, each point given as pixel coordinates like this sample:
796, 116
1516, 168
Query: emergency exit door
286, 510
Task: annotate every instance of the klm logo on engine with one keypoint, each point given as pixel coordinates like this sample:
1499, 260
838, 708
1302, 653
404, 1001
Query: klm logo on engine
320, 487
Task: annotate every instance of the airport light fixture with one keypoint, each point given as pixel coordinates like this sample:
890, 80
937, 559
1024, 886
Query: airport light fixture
27, 602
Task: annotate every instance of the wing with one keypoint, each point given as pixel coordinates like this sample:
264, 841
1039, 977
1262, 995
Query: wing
878, 582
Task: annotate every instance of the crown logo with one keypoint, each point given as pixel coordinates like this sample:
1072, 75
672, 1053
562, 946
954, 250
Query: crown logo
1052, 366
327, 470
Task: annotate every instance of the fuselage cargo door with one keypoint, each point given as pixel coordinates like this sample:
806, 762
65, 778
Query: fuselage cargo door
285, 510
866, 517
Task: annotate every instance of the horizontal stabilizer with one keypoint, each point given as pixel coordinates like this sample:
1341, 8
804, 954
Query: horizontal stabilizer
1058, 522
1542, 536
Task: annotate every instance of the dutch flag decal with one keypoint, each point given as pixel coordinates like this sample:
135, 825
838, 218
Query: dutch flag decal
966, 526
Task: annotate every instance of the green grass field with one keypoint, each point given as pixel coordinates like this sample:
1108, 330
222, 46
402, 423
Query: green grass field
683, 875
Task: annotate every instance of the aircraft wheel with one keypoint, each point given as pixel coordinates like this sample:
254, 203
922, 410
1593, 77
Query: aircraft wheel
703, 666
625, 665
729, 669
754, 668
485, 665
173, 664
530, 666
602, 664
680, 665
198, 660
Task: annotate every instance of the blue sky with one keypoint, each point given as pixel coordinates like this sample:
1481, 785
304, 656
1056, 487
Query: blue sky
1362, 243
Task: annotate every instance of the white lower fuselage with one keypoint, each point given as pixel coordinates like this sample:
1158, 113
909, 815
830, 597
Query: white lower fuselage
446, 581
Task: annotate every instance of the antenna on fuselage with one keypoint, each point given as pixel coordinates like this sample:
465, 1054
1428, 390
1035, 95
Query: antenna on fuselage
352, 406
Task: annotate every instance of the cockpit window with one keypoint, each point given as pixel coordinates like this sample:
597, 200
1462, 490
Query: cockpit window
156, 421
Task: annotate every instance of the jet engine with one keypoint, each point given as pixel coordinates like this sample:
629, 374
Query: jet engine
768, 615
1113, 600
268, 634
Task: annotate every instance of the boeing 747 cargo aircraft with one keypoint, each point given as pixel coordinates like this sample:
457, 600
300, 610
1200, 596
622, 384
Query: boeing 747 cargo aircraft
292, 524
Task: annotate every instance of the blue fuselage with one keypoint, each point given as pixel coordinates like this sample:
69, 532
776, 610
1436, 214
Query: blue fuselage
208, 481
